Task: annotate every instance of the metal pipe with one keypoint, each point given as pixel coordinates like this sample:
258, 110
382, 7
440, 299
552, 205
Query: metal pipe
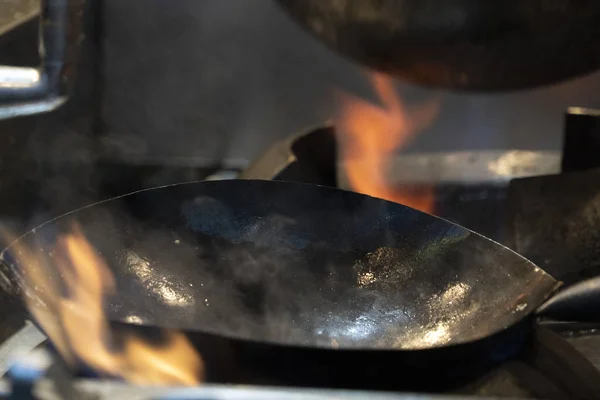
26, 91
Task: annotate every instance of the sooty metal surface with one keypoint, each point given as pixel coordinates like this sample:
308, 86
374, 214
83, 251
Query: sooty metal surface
553, 220
299, 264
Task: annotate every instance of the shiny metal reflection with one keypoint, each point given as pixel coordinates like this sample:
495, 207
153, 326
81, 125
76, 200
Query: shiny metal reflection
17, 77
157, 283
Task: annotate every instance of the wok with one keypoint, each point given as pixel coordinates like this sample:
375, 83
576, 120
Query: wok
333, 282
460, 44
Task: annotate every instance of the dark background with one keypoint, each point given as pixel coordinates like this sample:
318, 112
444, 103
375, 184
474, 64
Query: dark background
197, 81
182, 87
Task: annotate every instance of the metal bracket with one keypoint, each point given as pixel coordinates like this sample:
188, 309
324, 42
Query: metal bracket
26, 91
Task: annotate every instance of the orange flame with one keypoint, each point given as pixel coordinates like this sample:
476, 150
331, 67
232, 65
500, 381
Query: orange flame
372, 136
65, 294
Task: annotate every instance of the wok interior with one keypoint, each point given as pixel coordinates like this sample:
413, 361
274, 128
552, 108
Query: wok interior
303, 265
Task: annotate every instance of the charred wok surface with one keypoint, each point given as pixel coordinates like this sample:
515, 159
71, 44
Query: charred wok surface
299, 265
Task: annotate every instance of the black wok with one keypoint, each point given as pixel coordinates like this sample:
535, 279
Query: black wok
294, 275
460, 44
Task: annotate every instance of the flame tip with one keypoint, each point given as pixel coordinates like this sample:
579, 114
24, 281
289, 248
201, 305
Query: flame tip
372, 136
65, 290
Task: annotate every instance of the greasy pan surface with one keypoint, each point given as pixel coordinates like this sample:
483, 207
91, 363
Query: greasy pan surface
297, 264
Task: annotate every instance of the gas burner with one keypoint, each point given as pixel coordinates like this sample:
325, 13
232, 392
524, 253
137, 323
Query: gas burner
100, 390
549, 368
39, 376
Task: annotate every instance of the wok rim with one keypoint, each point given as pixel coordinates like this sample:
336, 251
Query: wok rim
529, 311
